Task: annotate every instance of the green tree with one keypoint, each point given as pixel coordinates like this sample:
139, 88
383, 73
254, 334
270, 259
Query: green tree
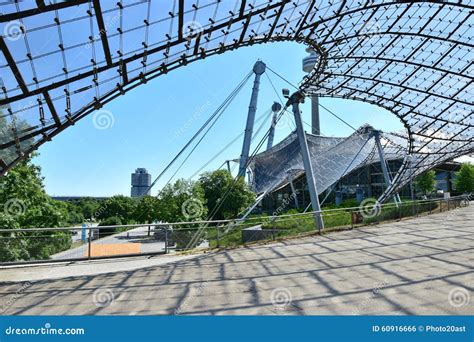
72, 212
120, 206
25, 204
7, 154
465, 178
8, 130
88, 207
182, 201
110, 221
12, 245
147, 210
221, 192
426, 182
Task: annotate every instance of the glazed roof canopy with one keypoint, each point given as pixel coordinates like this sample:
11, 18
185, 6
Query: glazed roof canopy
62, 60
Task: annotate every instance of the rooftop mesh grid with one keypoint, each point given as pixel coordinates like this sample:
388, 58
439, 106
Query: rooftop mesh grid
61, 60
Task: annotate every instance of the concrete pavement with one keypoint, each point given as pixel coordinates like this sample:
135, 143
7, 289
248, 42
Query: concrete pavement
418, 266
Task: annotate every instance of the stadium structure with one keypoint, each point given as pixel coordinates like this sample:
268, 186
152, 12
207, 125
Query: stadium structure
412, 58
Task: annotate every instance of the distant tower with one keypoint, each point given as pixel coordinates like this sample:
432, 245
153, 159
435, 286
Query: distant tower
141, 181
308, 64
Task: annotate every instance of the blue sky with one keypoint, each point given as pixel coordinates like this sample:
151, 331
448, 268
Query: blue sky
152, 122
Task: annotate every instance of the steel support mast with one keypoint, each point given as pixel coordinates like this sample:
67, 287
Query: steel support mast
293, 190
258, 69
295, 100
386, 174
276, 107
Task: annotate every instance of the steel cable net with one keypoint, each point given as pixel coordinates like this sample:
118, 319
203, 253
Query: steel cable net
332, 158
394, 145
62, 60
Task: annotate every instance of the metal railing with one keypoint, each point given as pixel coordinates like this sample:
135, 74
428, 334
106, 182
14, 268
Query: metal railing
29, 245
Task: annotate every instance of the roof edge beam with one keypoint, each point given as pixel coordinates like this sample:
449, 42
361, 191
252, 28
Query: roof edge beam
12, 64
102, 32
52, 109
40, 9
180, 19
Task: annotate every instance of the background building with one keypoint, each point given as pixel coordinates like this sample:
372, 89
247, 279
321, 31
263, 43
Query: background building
369, 178
141, 181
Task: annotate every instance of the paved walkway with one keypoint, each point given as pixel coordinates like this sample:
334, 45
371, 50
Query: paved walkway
420, 266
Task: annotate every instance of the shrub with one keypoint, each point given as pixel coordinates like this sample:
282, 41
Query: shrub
110, 221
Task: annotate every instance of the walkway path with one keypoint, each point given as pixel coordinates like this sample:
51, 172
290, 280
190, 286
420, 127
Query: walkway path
419, 266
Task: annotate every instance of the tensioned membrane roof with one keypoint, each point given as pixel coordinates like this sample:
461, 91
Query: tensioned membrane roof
62, 60
332, 158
